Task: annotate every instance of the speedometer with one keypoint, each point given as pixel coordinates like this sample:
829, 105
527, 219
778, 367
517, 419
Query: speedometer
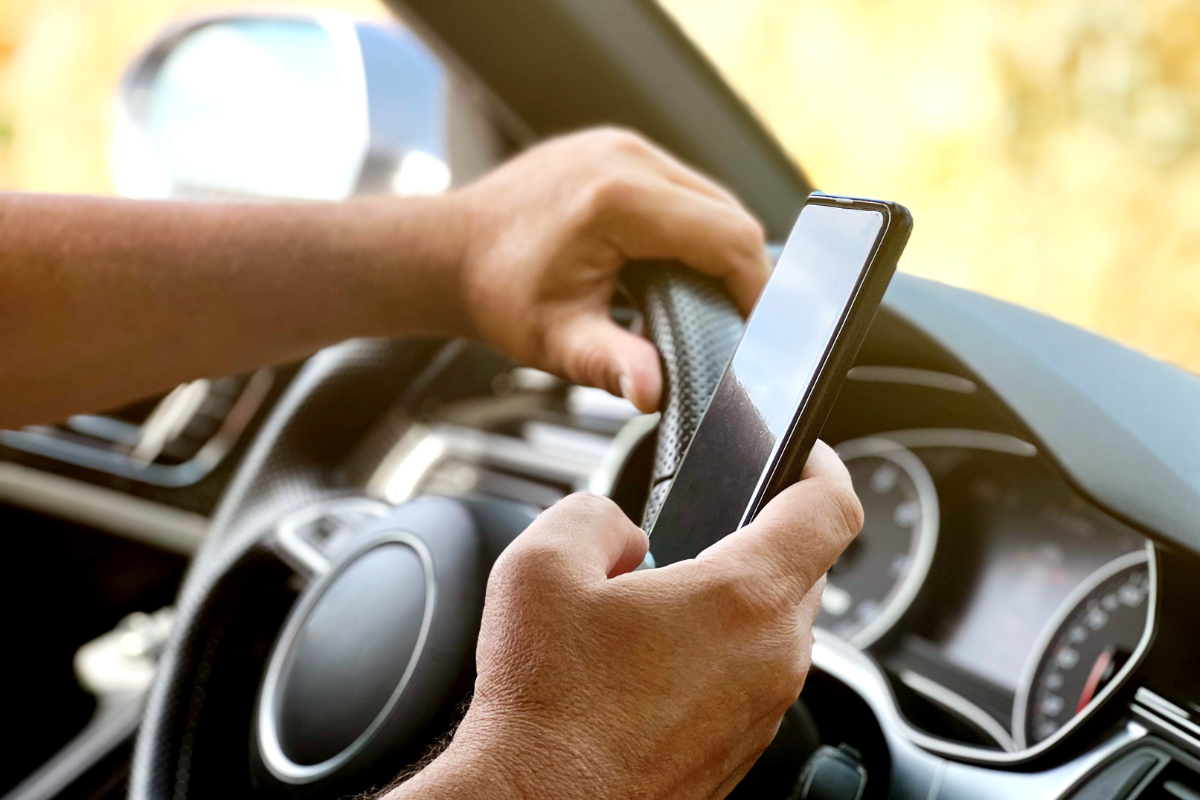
876, 579
1085, 648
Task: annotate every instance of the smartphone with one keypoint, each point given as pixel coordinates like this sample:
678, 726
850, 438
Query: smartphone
787, 370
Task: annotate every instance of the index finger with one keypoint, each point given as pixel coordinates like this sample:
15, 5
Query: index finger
651, 217
797, 536
679, 172
583, 536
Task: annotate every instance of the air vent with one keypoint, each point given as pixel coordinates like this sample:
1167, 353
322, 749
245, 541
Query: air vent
174, 440
536, 445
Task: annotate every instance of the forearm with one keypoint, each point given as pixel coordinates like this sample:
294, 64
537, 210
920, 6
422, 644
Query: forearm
456, 775
105, 300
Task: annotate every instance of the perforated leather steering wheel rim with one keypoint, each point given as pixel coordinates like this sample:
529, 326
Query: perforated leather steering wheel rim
689, 317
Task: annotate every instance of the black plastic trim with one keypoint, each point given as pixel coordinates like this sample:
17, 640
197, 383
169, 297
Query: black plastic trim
1123, 427
558, 65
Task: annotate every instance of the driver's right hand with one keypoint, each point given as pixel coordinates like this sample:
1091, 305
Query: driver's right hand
598, 681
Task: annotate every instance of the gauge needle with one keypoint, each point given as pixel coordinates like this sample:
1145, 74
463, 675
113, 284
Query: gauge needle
1100, 671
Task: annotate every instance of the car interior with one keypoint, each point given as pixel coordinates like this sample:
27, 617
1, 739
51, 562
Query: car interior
1017, 619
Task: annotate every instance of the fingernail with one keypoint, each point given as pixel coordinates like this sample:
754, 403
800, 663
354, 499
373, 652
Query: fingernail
626, 387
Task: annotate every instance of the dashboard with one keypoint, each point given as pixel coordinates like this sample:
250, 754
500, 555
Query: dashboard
998, 602
1002, 628
985, 586
987, 604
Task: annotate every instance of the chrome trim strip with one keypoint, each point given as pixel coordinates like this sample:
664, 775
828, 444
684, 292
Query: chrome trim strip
912, 377
955, 702
604, 479
980, 783
1167, 726
110, 727
33, 440
1161, 705
915, 438
1025, 683
276, 760
863, 675
936, 786
134, 518
423, 447
168, 420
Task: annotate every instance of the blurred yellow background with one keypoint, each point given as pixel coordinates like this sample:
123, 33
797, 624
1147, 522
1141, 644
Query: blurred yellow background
1049, 149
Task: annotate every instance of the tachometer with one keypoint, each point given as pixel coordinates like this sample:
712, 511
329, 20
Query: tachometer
876, 579
1084, 648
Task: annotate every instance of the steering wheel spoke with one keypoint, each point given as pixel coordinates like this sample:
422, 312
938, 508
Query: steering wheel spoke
310, 539
380, 642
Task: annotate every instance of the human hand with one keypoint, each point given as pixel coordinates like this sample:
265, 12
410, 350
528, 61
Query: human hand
548, 232
595, 681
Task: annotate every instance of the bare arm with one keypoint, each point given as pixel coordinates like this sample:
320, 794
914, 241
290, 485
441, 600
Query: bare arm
103, 301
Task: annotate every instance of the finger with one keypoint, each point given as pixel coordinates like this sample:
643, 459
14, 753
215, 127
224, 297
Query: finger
677, 171
590, 348
653, 218
633, 148
584, 535
823, 461
796, 538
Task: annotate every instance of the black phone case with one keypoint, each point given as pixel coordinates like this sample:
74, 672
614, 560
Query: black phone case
788, 463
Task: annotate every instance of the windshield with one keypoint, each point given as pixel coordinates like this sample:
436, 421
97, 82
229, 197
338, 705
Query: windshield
1049, 150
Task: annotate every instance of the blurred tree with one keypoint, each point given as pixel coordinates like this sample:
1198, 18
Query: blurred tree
1049, 149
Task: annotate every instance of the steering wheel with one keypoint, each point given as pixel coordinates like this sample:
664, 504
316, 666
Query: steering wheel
376, 651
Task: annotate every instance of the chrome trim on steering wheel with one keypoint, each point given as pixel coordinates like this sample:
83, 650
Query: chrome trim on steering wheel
269, 745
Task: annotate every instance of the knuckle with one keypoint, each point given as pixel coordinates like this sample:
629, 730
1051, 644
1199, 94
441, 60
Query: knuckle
616, 138
741, 594
591, 506
525, 564
604, 194
590, 363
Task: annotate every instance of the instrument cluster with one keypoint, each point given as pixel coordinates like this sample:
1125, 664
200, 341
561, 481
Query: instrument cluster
1001, 604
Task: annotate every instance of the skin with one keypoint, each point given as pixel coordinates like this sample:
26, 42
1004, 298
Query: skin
593, 680
104, 300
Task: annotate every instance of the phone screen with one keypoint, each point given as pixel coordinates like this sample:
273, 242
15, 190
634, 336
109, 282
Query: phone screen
772, 371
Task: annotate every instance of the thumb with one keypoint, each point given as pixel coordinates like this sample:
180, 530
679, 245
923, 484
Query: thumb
590, 348
582, 535
799, 534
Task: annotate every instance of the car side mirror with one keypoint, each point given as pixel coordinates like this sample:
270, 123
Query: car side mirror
306, 107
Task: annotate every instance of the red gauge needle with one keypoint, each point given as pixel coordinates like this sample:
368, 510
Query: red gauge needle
1096, 676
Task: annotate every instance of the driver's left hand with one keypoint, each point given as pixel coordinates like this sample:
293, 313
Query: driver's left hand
547, 234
